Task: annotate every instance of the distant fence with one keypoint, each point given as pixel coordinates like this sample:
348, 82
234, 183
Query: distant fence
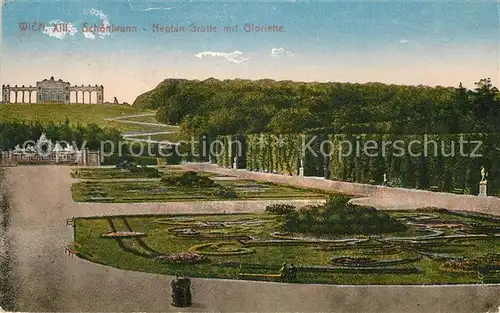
82, 158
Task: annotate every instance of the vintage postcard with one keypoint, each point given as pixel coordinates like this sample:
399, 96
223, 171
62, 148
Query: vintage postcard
257, 156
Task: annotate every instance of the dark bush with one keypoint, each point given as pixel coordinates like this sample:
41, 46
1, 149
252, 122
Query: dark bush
339, 217
169, 180
147, 171
225, 192
188, 179
280, 209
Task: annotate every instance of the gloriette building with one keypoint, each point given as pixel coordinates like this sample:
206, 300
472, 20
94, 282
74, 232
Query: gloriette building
53, 91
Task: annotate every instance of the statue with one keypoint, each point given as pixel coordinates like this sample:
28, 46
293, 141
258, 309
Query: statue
30, 149
69, 149
58, 147
17, 148
284, 271
181, 292
484, 173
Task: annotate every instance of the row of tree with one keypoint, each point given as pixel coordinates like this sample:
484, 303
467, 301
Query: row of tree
17, 132
439, 161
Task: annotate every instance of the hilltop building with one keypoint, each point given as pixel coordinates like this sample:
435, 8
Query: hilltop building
52, 91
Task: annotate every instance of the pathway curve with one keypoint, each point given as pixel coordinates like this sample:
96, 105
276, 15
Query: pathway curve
48, 280
133, 136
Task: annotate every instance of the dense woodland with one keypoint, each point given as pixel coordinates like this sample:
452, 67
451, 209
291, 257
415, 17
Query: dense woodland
213, 107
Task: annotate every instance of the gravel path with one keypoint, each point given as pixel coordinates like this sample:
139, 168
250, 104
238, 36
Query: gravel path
135, 136
49, 280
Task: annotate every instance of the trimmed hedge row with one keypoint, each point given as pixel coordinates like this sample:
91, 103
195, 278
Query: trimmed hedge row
422, 164
361, 270
324, 269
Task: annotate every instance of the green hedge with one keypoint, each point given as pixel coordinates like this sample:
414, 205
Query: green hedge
281, 154
139, 160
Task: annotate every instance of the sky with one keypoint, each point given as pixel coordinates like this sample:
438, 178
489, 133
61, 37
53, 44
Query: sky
400, 42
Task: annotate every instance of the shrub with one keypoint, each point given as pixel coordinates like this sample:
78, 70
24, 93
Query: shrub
185, 257
125, 165
147, 171
188, 179
339, 217
225, 192
168, 179
192, 179
280, 209
432, 210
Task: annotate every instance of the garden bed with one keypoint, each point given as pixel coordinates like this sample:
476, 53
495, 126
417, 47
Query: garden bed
376, 260
157, 191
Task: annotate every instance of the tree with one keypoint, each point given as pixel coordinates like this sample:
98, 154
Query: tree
486, 105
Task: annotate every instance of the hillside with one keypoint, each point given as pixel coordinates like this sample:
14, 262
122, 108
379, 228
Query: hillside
214, 107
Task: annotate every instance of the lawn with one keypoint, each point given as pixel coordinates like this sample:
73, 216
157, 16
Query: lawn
146, 119
128, 127
75, 113
247, 246
156, 191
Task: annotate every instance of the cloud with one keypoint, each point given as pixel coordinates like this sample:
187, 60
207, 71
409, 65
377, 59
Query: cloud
89, 35
404, 41
104, 22
279, 52
157, 8
59, 29
234, 57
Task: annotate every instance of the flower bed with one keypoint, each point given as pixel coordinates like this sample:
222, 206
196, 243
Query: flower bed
184, 232
369, 262
432, 210
305, 238
352, 261
123, 234
184, 257
177, 221
222, 248
489, 262
385, 250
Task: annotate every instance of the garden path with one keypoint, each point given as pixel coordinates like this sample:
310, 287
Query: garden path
134, 136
